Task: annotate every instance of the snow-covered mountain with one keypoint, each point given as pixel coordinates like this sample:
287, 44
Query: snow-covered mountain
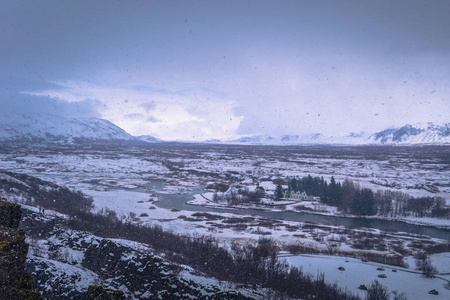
52, 128
315, 138
148, 139
422, 133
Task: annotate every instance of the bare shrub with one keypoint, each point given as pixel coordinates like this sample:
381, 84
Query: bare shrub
427, 268
399, 296
377, 291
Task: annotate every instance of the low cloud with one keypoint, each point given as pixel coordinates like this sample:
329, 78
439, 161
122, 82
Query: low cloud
148, 106
316, 68
195, 114
135, 116
20, 103
152, 119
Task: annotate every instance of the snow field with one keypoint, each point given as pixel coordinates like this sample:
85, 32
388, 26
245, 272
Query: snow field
357, 272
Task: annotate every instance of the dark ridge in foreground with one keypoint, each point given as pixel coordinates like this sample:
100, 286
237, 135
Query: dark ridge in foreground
15, 283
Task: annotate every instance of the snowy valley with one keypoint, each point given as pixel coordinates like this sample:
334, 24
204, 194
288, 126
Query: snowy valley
224, 150
172, 186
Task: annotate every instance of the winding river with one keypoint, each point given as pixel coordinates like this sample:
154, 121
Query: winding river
178, 201
173, 200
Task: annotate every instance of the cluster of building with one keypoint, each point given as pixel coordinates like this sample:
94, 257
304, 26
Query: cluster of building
289, 194
302, 196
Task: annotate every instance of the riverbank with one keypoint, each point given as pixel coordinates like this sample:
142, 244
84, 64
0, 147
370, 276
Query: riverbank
316, 208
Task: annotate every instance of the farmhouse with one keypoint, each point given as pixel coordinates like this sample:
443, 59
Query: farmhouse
297, 196
260, 190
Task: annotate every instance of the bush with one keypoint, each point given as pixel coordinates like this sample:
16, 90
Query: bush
427, 268
399, 296
376, 291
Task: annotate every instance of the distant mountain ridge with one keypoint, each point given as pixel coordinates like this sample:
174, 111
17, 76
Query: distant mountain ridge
58, 129
315, 138
148, 139
421, 133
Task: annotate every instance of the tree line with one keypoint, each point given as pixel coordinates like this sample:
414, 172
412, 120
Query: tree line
351, 198
238, 196
37, 192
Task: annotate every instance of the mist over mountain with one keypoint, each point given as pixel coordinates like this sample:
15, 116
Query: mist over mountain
60, 129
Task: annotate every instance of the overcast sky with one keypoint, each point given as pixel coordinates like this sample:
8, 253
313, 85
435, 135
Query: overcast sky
196, 70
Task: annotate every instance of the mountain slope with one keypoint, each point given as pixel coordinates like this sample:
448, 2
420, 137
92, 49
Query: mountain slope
315, 138
52, 128
422, 133
148, 139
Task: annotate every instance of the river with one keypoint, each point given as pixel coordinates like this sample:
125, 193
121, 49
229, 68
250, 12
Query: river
178, 201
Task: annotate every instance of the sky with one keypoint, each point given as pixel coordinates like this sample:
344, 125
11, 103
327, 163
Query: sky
199, 70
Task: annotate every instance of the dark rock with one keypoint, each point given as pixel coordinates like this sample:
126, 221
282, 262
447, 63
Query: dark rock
10, 214
15, 283
96, 292
362, 287
433, 292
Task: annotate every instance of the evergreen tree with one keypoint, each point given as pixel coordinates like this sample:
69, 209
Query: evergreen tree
348, 194
364, 202
324, 195
357, 203
368, 199
335, 195
278, 192
293, 185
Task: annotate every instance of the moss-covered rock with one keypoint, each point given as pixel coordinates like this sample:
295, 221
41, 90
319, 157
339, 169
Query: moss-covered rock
15, 283
10, 214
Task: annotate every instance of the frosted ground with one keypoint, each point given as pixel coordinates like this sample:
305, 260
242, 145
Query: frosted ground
139, 183
357, 272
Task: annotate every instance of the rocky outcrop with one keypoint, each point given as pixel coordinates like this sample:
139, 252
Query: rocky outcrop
96, 292
10, 214
15, 283
145, 275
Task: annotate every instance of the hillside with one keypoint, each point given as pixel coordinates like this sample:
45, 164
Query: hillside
58, 129
70, 263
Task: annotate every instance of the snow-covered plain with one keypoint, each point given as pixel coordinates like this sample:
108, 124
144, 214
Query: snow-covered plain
357, 272
141, 183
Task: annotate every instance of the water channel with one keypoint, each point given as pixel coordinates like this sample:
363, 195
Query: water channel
173, 200
178, 201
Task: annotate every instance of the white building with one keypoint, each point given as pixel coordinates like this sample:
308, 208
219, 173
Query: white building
302, 196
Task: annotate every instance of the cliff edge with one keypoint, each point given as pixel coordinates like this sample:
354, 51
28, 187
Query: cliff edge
15, 283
